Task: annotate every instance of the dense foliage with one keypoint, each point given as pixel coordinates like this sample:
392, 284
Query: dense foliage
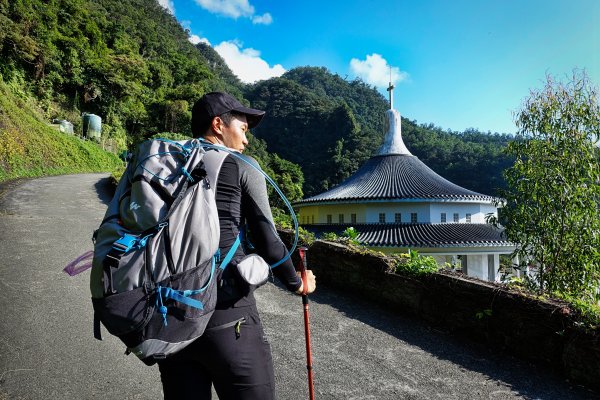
128, 61
472, 159
330, 127
552, 200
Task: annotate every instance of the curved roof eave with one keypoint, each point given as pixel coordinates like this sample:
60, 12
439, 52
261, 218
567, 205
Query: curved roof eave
483, 199
396, 176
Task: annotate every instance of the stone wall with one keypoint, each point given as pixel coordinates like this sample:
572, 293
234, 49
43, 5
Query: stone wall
540, 331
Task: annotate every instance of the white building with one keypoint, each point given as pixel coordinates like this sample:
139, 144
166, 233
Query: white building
396, 203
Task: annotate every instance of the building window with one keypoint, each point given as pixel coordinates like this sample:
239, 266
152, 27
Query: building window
455, 217
341, 218
382, 218
329, 218
413, 218
353, 218
468, 218
443, 217
312, 219
397, 218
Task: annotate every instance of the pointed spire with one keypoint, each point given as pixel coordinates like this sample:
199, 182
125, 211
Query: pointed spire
391, 90
393, 143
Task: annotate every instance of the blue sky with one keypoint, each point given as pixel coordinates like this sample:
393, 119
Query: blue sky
456, 63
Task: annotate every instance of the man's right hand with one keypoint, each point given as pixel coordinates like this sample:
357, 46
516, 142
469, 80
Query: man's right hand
311, 283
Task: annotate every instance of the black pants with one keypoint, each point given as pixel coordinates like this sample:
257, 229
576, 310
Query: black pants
233, 355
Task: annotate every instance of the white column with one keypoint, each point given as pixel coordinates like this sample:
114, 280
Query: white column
493, 266
477, 266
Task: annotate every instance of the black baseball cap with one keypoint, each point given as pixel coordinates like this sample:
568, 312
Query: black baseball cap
217, 103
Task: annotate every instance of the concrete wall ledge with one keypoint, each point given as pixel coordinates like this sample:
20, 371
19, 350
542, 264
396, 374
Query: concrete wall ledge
541, 331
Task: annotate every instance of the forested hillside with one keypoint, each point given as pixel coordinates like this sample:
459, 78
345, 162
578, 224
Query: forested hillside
127, 61
330, 126
130, 62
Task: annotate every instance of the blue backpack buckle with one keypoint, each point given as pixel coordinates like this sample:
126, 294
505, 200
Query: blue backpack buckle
126, 243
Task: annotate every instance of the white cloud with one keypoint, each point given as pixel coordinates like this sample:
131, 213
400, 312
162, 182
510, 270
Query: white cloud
195, 39
168, 4
375, 70
265, 19
229, 8
235, 9
246, 63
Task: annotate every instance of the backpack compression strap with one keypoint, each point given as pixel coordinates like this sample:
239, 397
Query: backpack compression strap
231, 251
183, 296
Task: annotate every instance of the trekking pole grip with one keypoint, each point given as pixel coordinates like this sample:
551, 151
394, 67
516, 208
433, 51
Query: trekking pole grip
302, 265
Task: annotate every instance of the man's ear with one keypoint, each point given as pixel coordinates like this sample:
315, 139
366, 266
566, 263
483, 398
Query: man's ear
217, 125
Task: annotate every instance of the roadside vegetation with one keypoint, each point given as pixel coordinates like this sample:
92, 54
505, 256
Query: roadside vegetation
551, 206
31, 148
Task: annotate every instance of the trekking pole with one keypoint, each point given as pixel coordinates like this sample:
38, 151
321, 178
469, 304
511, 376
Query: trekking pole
302, 269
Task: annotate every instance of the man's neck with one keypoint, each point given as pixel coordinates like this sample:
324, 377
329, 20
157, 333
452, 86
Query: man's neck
213, 139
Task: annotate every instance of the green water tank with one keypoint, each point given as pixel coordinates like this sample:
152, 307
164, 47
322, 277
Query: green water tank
92, 126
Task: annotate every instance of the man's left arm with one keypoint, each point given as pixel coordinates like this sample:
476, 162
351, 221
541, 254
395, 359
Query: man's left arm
266, 240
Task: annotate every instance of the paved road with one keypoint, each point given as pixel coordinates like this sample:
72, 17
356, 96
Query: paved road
360, 351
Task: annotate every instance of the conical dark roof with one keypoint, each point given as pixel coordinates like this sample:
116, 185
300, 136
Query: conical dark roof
394, 177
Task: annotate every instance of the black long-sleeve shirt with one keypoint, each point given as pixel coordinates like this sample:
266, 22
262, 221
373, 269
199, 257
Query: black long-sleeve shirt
241, 197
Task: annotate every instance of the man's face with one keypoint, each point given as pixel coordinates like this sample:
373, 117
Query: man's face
234, 135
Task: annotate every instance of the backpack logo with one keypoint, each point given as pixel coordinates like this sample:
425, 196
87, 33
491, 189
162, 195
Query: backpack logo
134, 206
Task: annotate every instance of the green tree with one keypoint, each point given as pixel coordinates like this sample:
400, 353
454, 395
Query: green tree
552, 201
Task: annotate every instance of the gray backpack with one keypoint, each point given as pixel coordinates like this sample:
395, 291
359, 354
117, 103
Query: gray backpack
153, 279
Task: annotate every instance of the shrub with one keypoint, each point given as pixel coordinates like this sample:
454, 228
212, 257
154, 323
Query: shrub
415, 264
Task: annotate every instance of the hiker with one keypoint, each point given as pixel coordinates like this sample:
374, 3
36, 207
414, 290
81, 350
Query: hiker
233, 353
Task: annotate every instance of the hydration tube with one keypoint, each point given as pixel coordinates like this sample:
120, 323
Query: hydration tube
185, 152
205, 144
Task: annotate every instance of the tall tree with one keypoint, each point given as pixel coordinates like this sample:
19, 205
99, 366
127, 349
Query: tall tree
553, 197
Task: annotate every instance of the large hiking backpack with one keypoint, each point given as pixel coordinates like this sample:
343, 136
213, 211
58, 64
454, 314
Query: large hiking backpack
153, 273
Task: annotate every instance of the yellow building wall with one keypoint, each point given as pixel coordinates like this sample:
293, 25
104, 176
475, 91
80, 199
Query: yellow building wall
317, 214
365, 213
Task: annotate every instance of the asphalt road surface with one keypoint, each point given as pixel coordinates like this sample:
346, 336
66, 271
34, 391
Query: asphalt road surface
360, 351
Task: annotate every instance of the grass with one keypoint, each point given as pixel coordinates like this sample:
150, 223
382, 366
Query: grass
31, 148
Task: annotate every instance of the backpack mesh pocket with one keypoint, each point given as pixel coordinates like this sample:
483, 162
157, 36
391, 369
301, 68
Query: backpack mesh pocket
124, 313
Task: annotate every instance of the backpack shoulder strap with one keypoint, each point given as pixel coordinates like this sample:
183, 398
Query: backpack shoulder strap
213, 161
